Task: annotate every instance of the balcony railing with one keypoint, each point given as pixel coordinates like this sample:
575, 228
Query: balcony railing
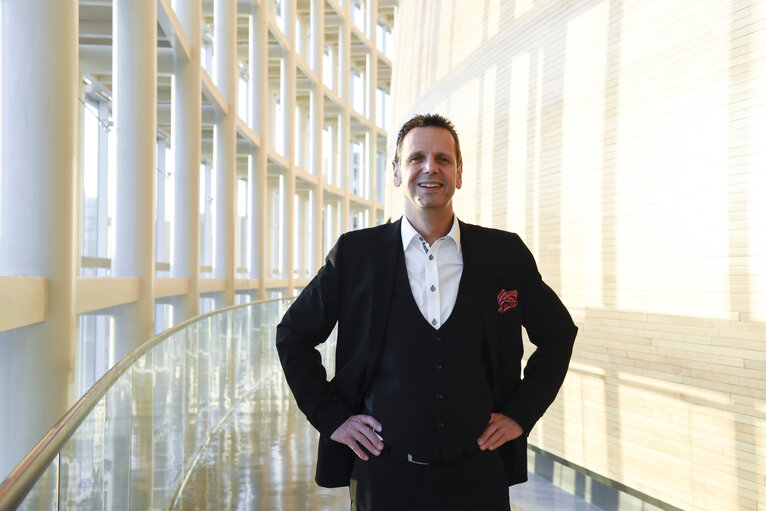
133, 440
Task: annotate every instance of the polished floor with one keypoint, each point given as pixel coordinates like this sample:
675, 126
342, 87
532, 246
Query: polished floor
262, 458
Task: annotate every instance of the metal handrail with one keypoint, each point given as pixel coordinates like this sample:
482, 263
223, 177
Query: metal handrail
22, 478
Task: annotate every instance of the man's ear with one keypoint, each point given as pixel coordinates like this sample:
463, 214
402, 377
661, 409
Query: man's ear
397, 175
459, 177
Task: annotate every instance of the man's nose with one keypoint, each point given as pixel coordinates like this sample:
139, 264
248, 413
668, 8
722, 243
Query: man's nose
429, 165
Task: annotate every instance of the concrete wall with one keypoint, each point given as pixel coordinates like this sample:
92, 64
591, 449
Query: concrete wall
625, 141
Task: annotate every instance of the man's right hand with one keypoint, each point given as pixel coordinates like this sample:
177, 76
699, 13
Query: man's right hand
357, 432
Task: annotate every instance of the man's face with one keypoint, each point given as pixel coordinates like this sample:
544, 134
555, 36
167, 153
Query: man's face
428, 168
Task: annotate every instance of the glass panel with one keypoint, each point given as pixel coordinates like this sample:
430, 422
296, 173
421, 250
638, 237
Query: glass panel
142, 433
117, 439
45, 493
141, 440
191, 394
82, 464
162, 468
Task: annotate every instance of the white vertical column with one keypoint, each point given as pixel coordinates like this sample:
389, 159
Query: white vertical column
38, 220
103, 182
372, 112
187, 128
255, 224
344, 45
225, 146
135, 120
288, 103
317, 115
259, 58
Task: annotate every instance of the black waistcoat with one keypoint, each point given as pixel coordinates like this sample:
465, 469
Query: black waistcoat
432, 392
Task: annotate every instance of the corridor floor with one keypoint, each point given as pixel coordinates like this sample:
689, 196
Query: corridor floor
262, 458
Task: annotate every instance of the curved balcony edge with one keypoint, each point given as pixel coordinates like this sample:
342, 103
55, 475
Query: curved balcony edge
30, 469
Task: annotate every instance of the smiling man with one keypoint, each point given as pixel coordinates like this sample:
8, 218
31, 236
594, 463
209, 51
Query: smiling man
427, 409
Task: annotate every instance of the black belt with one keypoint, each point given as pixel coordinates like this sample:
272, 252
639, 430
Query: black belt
403, 453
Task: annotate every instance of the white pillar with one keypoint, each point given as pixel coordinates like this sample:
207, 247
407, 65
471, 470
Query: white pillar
345, 122
38, 219
259, 58
317, 115
288, 102
225, 146
135, 121
186, 129
372, 112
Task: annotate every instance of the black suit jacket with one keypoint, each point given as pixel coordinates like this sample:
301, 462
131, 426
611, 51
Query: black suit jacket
353, 289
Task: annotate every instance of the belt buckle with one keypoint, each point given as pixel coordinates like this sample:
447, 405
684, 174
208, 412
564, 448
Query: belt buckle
409, 458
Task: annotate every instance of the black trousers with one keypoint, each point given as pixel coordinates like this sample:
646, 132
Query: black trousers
390, 483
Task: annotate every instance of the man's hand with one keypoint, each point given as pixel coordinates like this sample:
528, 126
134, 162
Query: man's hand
358, 429
501, 429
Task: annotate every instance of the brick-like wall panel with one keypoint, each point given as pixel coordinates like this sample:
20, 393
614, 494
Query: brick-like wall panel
626, 143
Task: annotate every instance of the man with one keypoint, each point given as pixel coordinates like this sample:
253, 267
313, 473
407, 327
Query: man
427, 409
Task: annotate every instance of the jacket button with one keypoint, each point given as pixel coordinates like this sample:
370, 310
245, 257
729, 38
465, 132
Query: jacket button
438, 338
439, 395
440, 424
439, 365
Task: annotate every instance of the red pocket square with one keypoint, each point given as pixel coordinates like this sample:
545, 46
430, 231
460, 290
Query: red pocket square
507, 300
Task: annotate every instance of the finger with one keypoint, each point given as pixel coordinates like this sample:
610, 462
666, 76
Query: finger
486, 434
368, 426
358, 450
373, 446
497, 440
486, 443
371, 421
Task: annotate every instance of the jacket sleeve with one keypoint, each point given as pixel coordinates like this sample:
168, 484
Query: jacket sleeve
308, 322
550, 328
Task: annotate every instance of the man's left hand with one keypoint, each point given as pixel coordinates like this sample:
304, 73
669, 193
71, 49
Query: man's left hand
501, 429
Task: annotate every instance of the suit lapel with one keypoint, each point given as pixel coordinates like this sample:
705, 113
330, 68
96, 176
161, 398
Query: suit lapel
478, 264
387, 259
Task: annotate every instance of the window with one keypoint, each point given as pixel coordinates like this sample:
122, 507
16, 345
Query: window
357, 91
330, 223
243, 96
206, 303
358, 14
165, 208
98, 190
380, 191
276, 222
279, 125
206, 198
328, 62
95, 346
356, 177
381, 107
163, 316
384, 39
208, 62
242, 238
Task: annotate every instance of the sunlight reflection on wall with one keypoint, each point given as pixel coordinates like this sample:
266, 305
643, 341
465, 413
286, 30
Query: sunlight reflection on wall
624, 142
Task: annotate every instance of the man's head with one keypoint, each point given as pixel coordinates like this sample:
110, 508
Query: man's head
427, 166
423, 121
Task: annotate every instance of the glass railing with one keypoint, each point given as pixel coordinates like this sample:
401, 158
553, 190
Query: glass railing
134, 439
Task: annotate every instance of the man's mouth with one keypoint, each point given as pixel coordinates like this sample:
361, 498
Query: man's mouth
430, 185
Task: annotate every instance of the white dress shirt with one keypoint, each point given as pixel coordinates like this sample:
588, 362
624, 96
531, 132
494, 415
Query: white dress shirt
434, 271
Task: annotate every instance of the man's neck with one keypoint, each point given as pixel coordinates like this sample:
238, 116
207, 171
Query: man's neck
431, 225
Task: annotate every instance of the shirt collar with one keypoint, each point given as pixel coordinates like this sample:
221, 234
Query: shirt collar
409, 232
